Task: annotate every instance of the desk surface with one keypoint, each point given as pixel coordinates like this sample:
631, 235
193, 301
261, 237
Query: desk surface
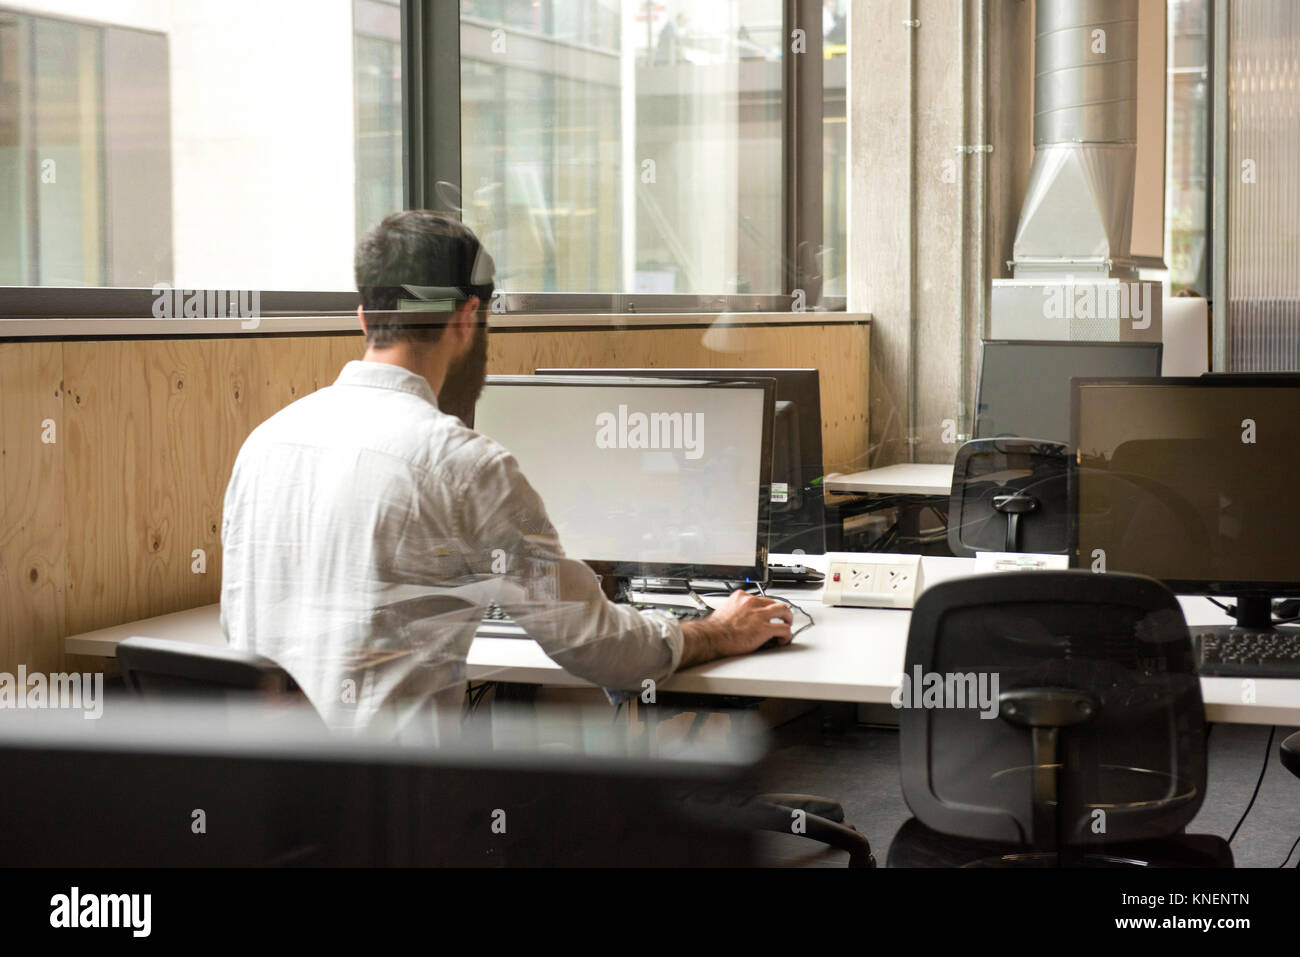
913, 478
849, 654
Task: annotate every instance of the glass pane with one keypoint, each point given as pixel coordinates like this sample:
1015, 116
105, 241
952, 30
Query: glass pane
378, 54
835, 127
170, 143
1263, 203
1186, 193
15, 242
66, 134
618, 146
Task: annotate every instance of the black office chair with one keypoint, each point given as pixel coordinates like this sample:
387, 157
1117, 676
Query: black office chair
1009, 495
1090, 748
157, 667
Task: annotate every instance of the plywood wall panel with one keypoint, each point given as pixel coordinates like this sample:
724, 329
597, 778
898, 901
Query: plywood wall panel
33, 561
100, 528
130, 506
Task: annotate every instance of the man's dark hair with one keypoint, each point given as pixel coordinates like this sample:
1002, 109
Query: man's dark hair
412, 250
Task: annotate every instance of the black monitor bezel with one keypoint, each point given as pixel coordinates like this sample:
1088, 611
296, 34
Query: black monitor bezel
793, 379
678, 570
1067, 343
1202, 586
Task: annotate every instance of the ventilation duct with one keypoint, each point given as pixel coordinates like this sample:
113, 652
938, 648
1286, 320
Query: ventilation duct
1078, 209
1074, 275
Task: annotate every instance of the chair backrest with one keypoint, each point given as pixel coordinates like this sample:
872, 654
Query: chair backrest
155, 667
1006, 483
1087, 725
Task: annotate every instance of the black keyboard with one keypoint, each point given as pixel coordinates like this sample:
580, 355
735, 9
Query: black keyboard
680, 612
496, 615
1234, 653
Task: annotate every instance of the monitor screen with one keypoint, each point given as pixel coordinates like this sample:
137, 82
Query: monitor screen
1187, 480
798, 508
1024, 387
643, 476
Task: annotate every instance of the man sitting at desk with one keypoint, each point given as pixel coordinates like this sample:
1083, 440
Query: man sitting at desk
366, 527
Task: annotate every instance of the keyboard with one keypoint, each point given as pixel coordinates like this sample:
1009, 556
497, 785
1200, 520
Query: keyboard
1232, 653
497, 623
680, 612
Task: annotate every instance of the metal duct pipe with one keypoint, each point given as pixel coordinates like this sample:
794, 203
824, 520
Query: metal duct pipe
1078, 210
1085, 78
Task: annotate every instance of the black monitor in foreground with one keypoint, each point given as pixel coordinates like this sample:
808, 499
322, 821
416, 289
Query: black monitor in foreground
1191, 481
663, 478
798, 506
1024, 387
177, 784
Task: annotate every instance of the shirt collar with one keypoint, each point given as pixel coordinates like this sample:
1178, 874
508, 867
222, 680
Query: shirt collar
381, 375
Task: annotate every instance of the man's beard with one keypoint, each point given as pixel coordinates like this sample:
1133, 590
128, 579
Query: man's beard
464, 382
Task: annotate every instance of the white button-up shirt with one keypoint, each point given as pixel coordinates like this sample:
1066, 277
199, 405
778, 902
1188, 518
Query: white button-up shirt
363, 533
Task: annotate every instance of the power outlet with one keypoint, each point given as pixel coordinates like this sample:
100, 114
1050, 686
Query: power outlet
865, 580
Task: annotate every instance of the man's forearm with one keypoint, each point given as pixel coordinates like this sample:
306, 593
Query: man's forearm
701, 641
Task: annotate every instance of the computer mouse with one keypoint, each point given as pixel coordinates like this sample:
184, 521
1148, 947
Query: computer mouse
770, 643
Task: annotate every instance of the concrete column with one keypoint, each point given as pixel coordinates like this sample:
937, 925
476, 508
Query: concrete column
879, 200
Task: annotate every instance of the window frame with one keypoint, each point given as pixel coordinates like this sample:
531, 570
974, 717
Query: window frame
430, 56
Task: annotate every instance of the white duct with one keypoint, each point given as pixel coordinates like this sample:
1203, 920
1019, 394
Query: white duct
1078, 210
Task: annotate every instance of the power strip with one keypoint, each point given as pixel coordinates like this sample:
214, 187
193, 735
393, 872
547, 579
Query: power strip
864, 580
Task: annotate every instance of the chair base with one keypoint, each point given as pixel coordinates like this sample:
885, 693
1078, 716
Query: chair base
823, 821
1289, 752
916, 845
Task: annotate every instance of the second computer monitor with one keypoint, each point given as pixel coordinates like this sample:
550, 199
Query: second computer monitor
644, 477
798, 507
1024, 387
1190, 481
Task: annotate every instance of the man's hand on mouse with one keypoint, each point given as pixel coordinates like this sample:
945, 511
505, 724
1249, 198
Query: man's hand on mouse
741, 624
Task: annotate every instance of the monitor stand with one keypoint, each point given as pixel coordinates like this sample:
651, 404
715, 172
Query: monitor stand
1254, 617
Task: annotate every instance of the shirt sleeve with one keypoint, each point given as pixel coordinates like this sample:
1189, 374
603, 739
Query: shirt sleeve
555, 599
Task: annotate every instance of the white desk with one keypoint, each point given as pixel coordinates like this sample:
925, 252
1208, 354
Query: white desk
850, 654
913, 478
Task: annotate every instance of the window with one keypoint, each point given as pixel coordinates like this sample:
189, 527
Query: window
629, 147
605, 146
85, 187
178, 145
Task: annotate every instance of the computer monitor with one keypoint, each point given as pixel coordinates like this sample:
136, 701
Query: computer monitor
664, 478
277, 789
1024, 387
1188, 480
798, 505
